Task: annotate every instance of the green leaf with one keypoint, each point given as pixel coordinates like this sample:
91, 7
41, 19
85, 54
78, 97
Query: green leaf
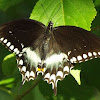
6, 81
97, 2
9, 64
72, 12
76, 74
5, 4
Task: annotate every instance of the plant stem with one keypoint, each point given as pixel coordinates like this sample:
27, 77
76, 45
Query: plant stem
7, 91
18, 97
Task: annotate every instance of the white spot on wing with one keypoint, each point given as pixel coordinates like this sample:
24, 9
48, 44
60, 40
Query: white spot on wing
27, 74
23, 77
94, 53
52, 77
16, 50
5, 41
85, 56
66, 68
10, 32
89, 54
2, 38
74, 59
59, 73
11, 47
47, 75
86, 59
32, 74
71, 60
98, 53
19, 68
84, 46
79, 57
69, 53
23, 69
74, 49
21, 62
8, 44
22, 45
20, 55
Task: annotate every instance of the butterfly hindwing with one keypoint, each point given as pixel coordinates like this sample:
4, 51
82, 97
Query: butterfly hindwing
25, 70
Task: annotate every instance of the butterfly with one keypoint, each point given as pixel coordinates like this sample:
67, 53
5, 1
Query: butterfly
51, 51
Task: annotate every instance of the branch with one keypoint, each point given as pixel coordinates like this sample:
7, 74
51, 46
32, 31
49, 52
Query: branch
7, 91
19, 97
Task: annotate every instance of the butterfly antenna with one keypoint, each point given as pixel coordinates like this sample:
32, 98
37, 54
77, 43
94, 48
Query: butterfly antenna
56, 12
44, 10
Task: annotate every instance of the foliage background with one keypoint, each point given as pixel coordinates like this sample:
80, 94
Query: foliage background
73, 12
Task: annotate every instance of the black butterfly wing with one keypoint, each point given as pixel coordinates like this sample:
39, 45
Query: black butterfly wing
20, 33
79, 44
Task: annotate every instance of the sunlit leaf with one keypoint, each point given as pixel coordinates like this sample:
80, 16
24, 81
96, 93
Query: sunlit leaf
75, 12
9, 64
76, 74
6, 81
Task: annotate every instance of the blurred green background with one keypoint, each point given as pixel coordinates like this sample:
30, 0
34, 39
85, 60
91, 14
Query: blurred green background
81, 13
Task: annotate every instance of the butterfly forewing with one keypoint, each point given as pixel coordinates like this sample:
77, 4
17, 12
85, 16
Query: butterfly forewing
79, 44
21, 32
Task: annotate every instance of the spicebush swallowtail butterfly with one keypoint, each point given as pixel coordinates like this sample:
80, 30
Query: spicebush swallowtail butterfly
49, 50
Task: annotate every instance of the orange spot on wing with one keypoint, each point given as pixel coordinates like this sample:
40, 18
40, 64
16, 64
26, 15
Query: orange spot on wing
40, 69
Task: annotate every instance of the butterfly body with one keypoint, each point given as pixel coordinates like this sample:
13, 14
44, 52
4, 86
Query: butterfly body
49, 50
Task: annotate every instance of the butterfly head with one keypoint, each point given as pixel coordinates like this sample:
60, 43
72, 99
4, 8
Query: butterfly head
50, 26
